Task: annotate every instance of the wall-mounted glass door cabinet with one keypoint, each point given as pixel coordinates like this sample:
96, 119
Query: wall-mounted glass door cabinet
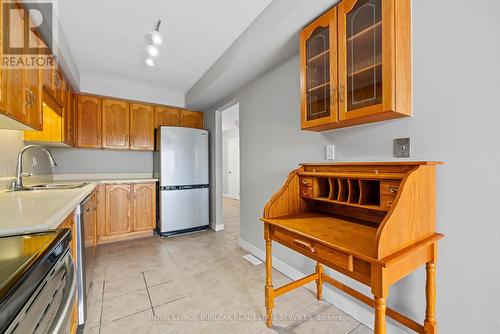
356, 65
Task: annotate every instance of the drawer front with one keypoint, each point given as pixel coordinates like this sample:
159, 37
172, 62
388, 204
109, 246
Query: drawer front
388, 192
335, 257
306, 182
306, 192
314, 250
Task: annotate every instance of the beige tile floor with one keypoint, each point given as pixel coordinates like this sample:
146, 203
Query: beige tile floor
198, 283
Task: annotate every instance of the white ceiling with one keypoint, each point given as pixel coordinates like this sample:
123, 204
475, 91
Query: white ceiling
271, 39
109, 37
231, 118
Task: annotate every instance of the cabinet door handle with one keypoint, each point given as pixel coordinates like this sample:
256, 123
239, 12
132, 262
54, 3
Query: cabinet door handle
33, 98
29, 98
341, 92
304, 245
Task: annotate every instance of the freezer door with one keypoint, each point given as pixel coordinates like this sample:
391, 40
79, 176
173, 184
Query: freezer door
183, 209
183, 156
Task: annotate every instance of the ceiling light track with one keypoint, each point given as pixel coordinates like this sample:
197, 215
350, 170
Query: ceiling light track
155, 39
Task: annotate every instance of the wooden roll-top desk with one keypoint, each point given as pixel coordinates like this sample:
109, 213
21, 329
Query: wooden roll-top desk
372, 221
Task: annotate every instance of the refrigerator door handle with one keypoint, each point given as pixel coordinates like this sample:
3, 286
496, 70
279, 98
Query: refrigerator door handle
184, 187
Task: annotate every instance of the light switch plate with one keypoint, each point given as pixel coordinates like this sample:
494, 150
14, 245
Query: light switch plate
402, 147
330, 152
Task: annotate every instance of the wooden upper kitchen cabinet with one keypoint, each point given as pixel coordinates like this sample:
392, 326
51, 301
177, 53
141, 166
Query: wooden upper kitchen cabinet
58, 86
142, 127
165, 116
69, 135
118, 209
115, 124
48, 80
356, 65
33, 88
191, 119
3, 72
144, 208
89, 121
318, 52
15, 76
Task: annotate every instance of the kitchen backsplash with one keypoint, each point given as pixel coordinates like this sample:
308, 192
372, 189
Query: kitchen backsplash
72, 164
11, 143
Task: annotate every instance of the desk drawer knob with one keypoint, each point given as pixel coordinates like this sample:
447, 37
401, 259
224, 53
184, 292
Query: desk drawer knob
304, 245
305, 192
392, 189
306, 182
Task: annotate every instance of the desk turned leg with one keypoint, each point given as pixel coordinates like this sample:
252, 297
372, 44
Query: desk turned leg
319, 281
380, 308
430, 324
269, 285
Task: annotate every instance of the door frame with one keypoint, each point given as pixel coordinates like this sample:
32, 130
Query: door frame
216, 173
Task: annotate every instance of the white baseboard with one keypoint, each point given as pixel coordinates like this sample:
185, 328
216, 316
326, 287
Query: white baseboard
337, 299
217, 227
233, 196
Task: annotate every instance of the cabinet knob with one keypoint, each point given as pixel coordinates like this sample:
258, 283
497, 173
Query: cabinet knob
393, 189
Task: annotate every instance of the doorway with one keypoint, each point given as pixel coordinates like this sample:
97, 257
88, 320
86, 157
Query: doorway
230, 148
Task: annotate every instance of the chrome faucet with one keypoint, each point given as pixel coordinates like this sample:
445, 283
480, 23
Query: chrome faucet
18, 183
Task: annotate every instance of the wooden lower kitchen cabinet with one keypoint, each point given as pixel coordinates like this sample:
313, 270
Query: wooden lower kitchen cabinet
126, 211
144, 207
118, 209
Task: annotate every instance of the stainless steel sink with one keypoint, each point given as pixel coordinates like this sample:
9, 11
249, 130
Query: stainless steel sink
54, 186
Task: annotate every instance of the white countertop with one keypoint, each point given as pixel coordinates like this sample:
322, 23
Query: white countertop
104, 181
34, 211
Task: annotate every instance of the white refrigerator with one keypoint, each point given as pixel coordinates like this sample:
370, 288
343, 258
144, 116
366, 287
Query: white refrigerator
181, 166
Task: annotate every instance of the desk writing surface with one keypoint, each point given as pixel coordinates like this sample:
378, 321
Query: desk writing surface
339, 233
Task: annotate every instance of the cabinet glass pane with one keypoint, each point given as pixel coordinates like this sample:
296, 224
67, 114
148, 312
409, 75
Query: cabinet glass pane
318, 74
364, 55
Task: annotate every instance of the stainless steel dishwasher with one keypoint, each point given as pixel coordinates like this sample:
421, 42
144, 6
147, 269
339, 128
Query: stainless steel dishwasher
37, 283
85, 216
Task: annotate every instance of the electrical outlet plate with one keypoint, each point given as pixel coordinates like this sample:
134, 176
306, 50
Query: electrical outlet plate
402, 147
330, 152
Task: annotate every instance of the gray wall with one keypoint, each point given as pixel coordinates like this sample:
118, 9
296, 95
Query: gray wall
87, 161
11, 143
456, 117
